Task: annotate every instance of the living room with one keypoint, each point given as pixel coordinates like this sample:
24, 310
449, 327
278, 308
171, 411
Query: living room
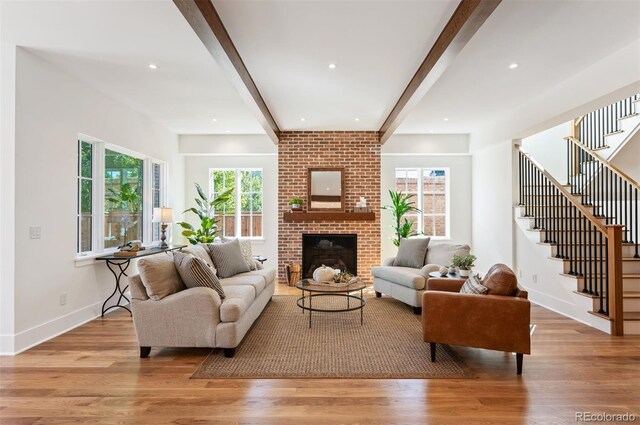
139, 81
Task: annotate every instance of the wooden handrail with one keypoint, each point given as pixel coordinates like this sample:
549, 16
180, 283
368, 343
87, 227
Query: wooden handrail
567, 193
604, 162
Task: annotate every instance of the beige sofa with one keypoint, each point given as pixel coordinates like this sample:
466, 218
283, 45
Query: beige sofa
407, 284
197, 317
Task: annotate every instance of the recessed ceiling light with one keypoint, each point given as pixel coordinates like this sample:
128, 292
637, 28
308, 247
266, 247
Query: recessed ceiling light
214, 120
446, 119
357, 119
153, 66
227, 131
513, 66
303, 119
431, 131
332, 66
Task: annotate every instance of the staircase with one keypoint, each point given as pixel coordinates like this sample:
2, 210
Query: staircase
590, 224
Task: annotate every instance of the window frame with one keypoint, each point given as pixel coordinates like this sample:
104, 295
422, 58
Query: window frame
98, 190
238, 199
420, 198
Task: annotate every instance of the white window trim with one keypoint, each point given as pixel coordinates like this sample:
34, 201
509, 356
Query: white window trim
420, 194
238, 201
98, 192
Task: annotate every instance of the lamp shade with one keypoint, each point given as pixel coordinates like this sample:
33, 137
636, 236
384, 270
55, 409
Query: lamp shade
162, 215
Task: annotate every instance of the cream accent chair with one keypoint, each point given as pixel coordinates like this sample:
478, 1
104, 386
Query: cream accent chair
407, 284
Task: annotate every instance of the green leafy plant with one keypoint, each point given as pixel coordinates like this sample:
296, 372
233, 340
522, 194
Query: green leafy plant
205, 211
401, 205
463, 262
294, 201
126, 199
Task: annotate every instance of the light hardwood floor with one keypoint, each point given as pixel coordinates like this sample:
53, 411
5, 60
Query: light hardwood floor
92, 375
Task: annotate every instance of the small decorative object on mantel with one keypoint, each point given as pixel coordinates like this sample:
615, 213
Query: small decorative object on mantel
324, 274
295, 204
463, 263
361, 205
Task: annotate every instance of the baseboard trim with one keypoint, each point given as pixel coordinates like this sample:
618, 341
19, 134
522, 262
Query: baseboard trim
6, 345
36, 335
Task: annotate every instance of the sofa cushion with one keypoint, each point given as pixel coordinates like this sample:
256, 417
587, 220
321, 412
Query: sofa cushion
195, 272
405, 276
412, 252
254, 280
245, 248
269, 275
201, 252
442, 253
501, 280
238, 300
473, 286
159, 276
227, 258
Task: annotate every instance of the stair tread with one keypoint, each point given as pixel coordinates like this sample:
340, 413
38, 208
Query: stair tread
581, 259
603, 316
626, 294
631, 315
580, 244
624, 276
635, 114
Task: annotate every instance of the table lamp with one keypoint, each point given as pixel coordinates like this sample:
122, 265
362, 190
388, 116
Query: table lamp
163, 216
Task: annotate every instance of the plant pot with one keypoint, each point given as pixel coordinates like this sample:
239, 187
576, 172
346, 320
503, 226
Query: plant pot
464, 273
296, 207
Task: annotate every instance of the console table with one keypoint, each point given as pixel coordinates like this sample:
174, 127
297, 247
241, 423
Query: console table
118, 267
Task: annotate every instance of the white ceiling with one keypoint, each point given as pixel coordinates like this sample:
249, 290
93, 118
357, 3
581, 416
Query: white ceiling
109, 44
287, 46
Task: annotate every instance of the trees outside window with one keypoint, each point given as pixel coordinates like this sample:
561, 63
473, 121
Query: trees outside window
242, 214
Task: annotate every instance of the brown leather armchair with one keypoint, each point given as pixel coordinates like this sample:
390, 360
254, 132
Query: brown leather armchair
492, 321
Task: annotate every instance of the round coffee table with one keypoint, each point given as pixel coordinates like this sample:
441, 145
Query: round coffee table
317, 289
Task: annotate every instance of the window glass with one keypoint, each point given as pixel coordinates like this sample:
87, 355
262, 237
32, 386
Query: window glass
156, 170
242, 214
85, 196
123, 198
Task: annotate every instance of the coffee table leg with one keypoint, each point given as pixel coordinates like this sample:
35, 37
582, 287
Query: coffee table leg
310, 308
302, 301
361, 309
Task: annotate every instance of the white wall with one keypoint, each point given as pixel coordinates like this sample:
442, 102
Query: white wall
51, 109
236, 151
627, 158
449, 151
7, 195
492, 205
549, 149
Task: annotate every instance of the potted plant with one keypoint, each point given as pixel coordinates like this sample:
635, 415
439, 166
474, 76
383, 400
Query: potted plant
463, 263
295, 204
205, 212
401, 205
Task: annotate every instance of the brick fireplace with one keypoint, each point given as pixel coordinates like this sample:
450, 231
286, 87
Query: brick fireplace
359, 153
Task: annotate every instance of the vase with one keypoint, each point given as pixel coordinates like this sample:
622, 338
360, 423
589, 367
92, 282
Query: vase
464, 273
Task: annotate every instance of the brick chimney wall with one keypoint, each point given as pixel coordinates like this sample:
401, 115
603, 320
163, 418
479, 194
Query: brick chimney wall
359, 153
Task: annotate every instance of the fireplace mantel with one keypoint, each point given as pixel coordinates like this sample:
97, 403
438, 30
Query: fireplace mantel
328, 216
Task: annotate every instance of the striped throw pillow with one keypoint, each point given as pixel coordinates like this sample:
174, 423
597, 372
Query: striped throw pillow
227, 258
195, 272
473, 286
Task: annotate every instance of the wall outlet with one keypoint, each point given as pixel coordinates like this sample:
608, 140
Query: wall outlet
35, 232
534, 278
63, 299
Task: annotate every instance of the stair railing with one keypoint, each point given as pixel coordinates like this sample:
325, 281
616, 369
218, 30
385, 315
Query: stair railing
592, 128
611, 193
592, 248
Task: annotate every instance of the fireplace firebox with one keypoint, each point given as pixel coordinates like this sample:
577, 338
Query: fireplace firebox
336, 251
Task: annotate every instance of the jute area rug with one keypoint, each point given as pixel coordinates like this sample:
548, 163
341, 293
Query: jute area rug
281, 345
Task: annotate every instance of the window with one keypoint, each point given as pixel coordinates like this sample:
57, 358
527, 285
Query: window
117, 190
242, 215
429, 190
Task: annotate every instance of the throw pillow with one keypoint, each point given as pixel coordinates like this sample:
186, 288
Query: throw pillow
473, 286
501, 280
202, 253
412, 252
195, 272
159, 276
245, 247
227, 258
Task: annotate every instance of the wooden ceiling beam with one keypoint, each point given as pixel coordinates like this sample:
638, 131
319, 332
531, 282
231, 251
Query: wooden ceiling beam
205, 21
464, 23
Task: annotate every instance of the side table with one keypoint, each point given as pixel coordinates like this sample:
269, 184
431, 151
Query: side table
118, 267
